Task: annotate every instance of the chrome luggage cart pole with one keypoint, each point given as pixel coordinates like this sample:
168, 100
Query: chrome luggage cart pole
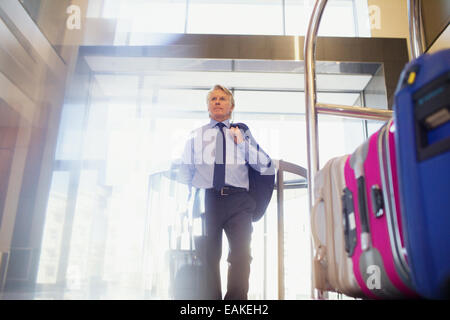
311, 113
416, 35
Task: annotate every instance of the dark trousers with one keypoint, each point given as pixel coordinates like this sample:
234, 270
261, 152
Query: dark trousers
231, 213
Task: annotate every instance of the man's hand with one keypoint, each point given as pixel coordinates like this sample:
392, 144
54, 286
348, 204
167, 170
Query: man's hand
237, 135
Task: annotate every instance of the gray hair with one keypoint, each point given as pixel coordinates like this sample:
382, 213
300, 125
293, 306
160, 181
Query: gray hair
221, 88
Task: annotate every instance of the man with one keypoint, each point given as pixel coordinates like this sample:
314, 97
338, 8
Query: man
228, 205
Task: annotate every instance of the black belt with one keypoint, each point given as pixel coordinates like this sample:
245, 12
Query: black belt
227, 190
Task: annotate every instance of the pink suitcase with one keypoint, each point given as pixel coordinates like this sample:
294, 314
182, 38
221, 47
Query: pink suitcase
378, 254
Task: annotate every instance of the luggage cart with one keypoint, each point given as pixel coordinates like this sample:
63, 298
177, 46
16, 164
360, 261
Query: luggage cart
313, 108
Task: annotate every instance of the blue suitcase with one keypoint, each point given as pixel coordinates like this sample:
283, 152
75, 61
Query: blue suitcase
422, 120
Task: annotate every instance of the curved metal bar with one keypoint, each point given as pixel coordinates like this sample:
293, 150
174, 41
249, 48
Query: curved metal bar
310, 93
281, 185
292, 168
312, 138
280, 233
354, 112
416, 36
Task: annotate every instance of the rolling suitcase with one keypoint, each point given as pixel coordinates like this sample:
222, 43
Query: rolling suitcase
422, 119
188, 281
379, 256
333, 269
187, 268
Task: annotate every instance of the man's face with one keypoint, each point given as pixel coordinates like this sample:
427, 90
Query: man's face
219, 105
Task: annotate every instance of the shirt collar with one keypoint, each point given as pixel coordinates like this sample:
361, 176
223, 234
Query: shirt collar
213, 122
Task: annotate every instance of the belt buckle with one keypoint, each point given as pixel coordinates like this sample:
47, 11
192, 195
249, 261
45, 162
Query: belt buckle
221, 191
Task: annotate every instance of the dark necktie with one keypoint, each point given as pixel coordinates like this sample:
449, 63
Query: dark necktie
219, 165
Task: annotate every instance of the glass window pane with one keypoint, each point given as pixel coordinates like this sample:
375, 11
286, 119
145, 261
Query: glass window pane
275, 102
337, 20
285, 103
121, 116
338, 136
182, 99
297, 248
94, 146
112, 85
82, 243
159, 16
346, 99
139, 17
297, 16
70, 132
54, 227
235, 17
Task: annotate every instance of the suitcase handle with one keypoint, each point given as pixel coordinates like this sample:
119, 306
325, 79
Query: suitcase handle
377, 201
364, 217
318, 245
348, 212
432, 117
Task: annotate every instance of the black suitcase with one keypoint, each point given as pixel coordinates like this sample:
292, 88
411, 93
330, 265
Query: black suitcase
188, 273
189, 281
